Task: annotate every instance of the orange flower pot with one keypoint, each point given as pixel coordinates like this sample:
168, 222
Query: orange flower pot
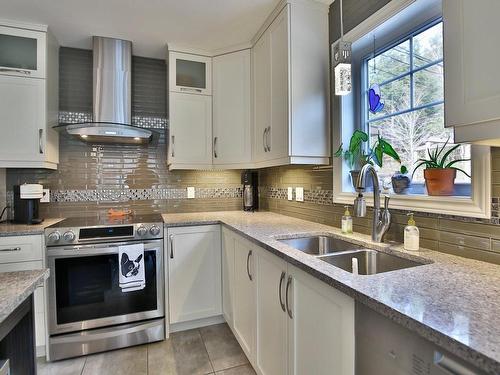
440, 181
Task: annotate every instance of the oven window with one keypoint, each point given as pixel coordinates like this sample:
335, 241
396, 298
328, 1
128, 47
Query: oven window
87, 288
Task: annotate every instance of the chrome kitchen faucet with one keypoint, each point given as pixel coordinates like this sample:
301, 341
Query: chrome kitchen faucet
381, 220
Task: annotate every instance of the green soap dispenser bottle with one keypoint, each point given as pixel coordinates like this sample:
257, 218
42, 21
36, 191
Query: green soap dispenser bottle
412, 235
346, 221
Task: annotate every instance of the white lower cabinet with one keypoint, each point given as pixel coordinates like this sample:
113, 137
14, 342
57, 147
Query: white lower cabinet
285, 320
271, 349
227, 275
320, 327
194, 273
244, 310
21, 253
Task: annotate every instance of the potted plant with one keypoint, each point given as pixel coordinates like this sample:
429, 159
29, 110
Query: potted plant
439, 172
400, 180
355, 156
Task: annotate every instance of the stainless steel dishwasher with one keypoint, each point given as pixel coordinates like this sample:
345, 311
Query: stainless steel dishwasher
386, 348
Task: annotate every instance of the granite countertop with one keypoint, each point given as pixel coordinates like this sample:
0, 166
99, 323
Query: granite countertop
8, 228
454, 302
16, 286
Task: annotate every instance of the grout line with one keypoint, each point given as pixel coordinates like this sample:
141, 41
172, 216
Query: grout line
84, 364
206, 350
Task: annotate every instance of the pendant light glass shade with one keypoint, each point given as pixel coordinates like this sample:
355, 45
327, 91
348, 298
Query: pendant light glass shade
341, 56
342, 67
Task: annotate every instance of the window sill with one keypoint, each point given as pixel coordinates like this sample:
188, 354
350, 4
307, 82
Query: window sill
456, 206
478, 205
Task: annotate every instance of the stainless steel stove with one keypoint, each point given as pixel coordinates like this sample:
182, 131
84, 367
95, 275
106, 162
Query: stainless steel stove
88, 311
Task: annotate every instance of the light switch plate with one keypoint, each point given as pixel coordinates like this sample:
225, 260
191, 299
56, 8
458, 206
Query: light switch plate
190, 192
46, 196
290, 193
299, 194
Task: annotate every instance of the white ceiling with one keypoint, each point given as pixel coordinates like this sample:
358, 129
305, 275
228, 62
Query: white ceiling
149, 24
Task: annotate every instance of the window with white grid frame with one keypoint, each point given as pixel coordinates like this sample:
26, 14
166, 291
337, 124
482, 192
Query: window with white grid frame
410, 74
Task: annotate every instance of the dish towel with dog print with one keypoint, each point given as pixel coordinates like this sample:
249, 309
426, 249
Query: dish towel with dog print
131, 267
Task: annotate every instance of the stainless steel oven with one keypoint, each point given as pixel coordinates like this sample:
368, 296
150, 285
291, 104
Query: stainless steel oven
88, 311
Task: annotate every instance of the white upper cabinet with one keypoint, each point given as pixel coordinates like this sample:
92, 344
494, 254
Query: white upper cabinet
291, 87
29, 102
23, 52
472, 82
190, 131
262, 98
231, 110
189, 73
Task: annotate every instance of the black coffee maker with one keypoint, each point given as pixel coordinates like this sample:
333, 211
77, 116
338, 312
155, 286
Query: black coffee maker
250, 182
26, 202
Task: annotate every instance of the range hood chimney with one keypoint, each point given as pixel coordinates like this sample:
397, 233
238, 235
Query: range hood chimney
112, 96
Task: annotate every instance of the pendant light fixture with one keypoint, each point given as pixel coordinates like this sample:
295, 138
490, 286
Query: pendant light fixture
342, 52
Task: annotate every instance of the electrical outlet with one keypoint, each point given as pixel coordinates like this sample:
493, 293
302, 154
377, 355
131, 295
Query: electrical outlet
190, 192
46, 196
290, 193
299, 194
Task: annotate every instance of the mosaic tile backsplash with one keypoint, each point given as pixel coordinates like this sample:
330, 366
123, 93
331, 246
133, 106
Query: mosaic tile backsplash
469, 237
93, 178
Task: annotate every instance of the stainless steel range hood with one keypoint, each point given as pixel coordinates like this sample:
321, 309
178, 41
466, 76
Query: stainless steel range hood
112, 97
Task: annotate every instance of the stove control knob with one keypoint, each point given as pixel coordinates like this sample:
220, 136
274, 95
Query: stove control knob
141, 231
69, 236
154, 230
54, 236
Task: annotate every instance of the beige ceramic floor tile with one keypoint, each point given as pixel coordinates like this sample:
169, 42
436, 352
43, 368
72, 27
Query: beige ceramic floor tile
240, 370
72, 366
129, 361
182, 354
223, 349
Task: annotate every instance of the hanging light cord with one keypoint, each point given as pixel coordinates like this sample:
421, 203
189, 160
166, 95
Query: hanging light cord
341, 23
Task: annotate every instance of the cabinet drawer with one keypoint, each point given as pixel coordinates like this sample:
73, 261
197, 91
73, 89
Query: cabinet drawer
20, 249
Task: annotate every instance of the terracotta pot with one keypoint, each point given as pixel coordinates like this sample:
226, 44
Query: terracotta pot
440, 181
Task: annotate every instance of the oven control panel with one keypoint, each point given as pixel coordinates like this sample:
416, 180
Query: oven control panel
57, 236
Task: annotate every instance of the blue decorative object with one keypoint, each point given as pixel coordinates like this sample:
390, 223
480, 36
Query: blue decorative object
374, 96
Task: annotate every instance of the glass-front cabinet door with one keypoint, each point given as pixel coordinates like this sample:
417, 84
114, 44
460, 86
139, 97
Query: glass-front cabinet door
22, 52
190, 74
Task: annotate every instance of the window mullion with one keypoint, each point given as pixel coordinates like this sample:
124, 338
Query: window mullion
412, 99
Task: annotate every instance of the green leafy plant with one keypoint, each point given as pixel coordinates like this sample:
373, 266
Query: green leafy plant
355, 156
436, 161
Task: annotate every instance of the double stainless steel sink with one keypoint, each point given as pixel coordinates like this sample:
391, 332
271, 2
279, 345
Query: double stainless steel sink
340, 253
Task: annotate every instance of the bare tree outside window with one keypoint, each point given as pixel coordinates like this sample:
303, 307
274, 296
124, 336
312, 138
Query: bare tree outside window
410, 76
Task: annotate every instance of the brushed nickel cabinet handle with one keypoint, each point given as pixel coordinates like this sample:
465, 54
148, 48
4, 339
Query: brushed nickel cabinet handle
40, 141
215, 147
173, 145
11, 249
171, 239
248, 264
288, 283
268, 144
282, 278
22, 71
264, 140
